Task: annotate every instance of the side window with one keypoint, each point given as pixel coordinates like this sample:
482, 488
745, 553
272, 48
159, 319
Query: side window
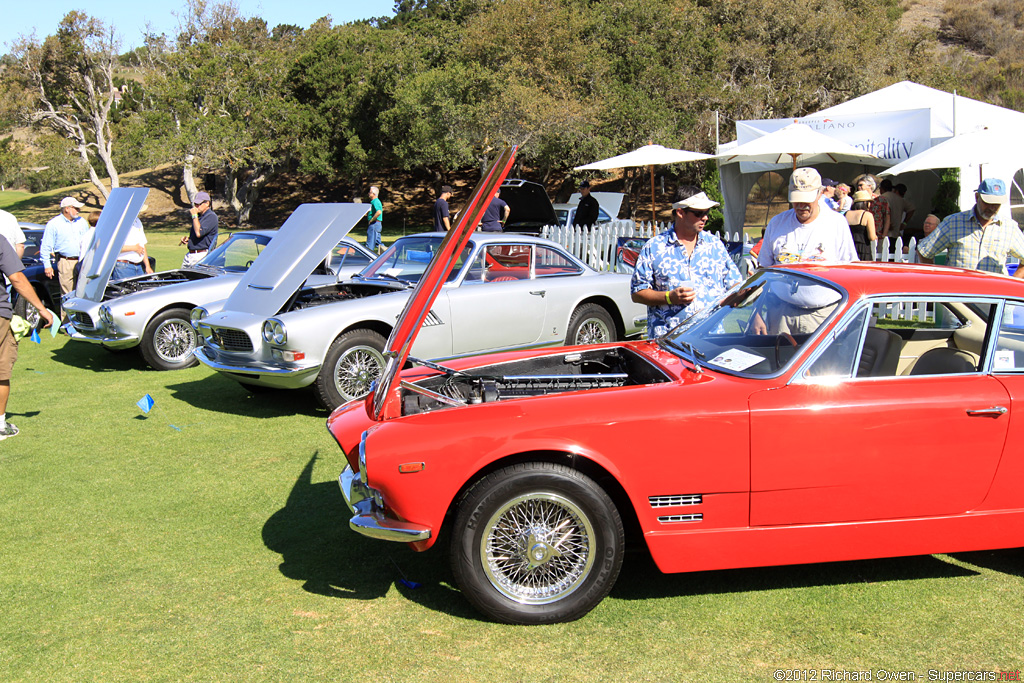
939, 337
1009, 355
501, 263
345, 255
551, 263
838, 359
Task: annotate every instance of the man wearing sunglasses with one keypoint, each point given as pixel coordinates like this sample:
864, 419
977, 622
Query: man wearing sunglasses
202, 234
684, 269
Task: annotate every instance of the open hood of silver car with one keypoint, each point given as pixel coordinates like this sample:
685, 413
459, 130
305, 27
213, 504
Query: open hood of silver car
384, 398
302, 242
122, 208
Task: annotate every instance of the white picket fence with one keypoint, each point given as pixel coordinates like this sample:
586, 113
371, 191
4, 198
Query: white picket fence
596, 245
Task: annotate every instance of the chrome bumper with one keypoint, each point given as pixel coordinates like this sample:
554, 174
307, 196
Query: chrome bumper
122, 342
296, 374
369, 520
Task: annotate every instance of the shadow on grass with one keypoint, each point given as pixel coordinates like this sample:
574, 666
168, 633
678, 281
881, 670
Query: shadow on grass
97, 358
1008, 561
641, 579
317, 547
223, 395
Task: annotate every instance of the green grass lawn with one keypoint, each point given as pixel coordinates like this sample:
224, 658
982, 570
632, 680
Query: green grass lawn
207, 541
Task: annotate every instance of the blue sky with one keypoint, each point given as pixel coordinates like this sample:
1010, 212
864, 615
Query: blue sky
21, 17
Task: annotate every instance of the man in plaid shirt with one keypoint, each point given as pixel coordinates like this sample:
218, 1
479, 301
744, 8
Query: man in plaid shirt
978, 238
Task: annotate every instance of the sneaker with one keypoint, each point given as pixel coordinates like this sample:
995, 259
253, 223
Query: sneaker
8, 431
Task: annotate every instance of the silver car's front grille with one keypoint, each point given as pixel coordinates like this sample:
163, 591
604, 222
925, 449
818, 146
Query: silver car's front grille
231, 340
81, 320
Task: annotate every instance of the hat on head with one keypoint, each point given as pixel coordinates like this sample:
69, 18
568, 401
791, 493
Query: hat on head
585, 183
445, 189
201, 197
992, 191
804, 186
71, 201
828, 182
698, 202
862, 196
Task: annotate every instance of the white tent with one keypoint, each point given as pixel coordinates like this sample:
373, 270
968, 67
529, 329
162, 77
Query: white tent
948, 114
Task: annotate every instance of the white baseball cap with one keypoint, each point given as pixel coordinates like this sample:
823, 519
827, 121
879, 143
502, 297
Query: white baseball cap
698, 202
71, 201
804, 186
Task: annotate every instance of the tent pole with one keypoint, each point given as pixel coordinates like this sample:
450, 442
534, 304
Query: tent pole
653, 218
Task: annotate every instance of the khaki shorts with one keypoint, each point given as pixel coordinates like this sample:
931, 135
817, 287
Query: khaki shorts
8, 349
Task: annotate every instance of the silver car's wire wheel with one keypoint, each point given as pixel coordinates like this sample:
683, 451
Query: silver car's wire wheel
537, 548
593, 331
356, 370
174, 340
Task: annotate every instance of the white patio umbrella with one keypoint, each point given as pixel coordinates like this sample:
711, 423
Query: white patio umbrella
797, 143
977, 147
648, 155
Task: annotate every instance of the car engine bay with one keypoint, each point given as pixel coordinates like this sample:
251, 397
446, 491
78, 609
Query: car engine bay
575, 371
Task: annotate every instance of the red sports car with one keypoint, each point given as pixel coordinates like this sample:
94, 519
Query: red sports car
818, 413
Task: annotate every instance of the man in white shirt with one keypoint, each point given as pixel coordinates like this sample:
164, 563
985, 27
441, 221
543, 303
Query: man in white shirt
806, 233
10, 229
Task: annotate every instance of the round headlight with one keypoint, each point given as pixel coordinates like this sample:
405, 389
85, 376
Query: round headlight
105, 315
274, 332
197, 314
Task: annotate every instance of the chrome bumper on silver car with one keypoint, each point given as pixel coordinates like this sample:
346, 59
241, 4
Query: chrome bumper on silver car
369, 519
254, 367
124, 341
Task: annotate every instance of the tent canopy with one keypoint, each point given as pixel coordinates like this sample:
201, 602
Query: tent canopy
948, 113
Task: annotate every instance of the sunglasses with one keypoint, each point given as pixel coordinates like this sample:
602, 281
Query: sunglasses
697, 214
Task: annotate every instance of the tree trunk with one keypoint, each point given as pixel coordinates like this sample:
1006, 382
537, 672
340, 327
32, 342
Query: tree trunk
188, 179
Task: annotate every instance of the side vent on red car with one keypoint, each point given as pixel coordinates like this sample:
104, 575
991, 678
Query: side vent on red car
673, 501
669, 519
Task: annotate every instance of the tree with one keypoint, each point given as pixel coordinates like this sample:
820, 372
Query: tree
224, 89
71, 75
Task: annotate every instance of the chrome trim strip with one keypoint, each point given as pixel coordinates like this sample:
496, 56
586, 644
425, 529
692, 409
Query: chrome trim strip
113, 342
369, 520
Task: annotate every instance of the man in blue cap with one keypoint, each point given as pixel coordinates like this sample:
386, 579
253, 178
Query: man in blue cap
202, 233
979, 238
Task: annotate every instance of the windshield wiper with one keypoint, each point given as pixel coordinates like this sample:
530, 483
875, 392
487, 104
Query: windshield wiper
688, 348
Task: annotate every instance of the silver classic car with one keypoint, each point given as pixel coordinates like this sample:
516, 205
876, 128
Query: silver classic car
505, 292
152, 311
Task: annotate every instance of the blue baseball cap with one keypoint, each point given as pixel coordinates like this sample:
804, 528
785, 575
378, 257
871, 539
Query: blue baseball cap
993, 191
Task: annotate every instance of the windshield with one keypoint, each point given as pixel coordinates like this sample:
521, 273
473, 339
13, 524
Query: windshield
758, 328
238, 253
407, 259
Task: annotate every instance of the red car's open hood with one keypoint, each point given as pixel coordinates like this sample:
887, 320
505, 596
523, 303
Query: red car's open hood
385, 398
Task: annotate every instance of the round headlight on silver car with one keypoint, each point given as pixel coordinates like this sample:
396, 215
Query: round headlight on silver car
197, 314
274, 332
105, 316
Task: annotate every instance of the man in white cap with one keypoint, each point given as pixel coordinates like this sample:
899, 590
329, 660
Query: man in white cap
978, 238
806, 232
684, 269
62, 238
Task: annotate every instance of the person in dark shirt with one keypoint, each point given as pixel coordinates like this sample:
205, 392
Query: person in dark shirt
442, 220
587, 209
202, 234
496, 214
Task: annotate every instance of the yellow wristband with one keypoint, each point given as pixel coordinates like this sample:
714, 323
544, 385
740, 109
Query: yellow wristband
668, 299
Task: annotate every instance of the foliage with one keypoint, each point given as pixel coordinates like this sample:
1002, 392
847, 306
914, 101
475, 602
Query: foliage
947, 195
10, 161
71, 75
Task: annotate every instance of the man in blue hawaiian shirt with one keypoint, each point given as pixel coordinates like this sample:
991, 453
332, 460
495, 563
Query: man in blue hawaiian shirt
684, 269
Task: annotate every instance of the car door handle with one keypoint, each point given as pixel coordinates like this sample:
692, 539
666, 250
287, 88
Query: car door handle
539, 292
994, 411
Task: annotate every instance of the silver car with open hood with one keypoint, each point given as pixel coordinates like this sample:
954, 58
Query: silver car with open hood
152, 311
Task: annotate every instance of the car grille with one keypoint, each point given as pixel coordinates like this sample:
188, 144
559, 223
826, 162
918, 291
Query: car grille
672, 501
81, 320
231, 340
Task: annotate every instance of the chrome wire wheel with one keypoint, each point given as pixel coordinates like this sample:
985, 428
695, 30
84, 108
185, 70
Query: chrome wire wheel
593, 331
357, 368
537, 548
174, 340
